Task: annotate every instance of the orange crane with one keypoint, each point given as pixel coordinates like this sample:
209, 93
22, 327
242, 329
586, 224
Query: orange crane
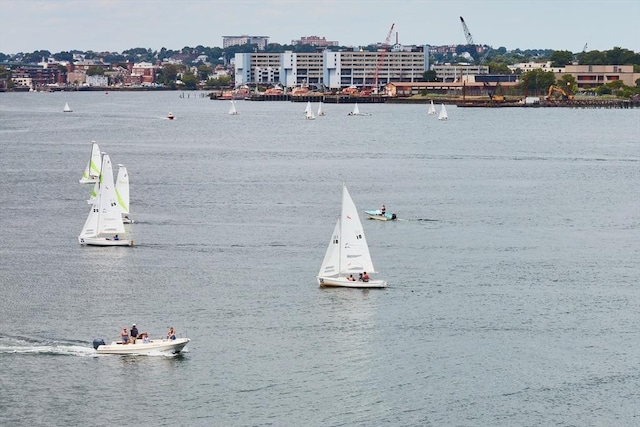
381, 56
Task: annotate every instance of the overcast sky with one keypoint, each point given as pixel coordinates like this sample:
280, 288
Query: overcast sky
117, 25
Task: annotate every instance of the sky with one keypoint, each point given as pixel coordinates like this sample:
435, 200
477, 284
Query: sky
118, 25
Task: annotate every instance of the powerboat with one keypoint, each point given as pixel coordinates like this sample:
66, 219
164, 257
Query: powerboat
141, 347
377, 214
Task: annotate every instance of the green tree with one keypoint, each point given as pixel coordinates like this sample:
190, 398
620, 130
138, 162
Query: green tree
168, 74
561, 58
536, 82
498, 68
189, 80
429, 76
95, 71
204, 71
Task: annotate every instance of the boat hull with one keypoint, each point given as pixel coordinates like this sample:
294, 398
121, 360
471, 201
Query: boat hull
103, 241
380, 216
153, 346
342, 282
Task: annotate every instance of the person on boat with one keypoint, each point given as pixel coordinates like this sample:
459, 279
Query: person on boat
116, 237
351, 278
133, 333
125, 336
383, 210
145, 337
365, 277
360, 277
171, 335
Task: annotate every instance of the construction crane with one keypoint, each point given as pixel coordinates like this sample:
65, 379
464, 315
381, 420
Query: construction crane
467, 33
381, 56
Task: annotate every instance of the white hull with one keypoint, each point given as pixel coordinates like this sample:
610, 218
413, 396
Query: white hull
164, 345
380, 217
103, 241
342, 282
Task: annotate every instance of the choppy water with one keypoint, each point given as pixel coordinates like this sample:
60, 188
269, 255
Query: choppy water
513, 270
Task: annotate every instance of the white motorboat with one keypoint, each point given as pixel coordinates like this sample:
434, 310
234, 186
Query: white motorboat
377, 214
141, 347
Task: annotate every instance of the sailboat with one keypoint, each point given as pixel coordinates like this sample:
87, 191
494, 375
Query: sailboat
309, 115
432, 109
232, 108
320, 110
122, 193
104, 223
443, 114
92, 171
348, 252
356, 110
307, 109
66, 108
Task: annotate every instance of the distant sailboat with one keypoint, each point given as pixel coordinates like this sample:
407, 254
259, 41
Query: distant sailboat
170, 116
320, 110
92, 171
307, 109
443, 114
66, 108
232, 108
309, 115
432, 109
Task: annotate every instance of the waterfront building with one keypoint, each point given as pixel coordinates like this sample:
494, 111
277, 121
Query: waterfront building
315, 41
591, 76
459, 72
332, 69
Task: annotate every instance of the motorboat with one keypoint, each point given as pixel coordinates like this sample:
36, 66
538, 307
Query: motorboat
379, 215
141, 346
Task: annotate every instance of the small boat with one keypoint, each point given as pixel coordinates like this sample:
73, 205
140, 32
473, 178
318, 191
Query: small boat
170, 116
443, 114
66, 108
141, 347
432, 109
122, 193
348, 252
309, 114
356, 111
379, 215
104, 223
92, 171
320, 110
232, 108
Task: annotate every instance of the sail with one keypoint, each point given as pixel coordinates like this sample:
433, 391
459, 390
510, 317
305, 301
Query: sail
309, 115
232, 108
110, 220
320, 110
307, 109
122, 189
90, 228
66, 108
443, 113
331, 263
356, 110
432, 108
92, 171
354, 253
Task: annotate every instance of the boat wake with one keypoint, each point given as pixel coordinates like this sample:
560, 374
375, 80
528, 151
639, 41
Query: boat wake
34, 346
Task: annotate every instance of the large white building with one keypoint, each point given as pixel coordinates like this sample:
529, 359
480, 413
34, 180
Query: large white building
261, 41
333, 70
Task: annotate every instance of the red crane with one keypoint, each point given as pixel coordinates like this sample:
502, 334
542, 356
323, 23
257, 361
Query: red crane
381, 56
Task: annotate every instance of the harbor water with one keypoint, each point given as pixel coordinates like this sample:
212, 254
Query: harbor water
513, 266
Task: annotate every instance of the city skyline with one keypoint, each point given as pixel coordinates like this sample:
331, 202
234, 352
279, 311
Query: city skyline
114, 25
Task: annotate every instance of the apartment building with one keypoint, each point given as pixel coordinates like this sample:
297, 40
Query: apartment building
334, 70
591, 76
261, 41
459, 72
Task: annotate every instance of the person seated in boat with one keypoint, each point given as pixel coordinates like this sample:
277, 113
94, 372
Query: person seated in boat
124, 335
133, 333
383, 210
351, 278
145, 338
116, 237
365, 277
171, 335
360, 277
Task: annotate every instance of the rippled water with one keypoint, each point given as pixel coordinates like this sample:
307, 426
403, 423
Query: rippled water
513, 269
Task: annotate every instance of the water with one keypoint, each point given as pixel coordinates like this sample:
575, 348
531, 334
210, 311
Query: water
513, 268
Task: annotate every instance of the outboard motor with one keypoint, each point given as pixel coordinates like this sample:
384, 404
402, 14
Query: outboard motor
393, 216
97, 343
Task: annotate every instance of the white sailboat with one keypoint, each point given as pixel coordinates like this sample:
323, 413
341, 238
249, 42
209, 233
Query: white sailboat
307, 109
443, 114
104, 225
122, 193
320, 110
348, 252
356, 110
309, 115
92, 171
232, 108
66, 108
432, 109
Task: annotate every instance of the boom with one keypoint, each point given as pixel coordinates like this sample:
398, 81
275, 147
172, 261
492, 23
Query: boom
381, 56
467, 33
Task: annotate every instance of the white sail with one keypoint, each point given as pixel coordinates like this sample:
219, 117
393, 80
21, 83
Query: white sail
320, 110
232, 108
122, 189
348, 253
443, 114
356, 110
307, 109
432, 109
309, 115
66, 108
92, 171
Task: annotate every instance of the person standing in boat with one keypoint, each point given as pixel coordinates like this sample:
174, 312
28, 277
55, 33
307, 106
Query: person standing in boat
133, 333
125, 336
383, 210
